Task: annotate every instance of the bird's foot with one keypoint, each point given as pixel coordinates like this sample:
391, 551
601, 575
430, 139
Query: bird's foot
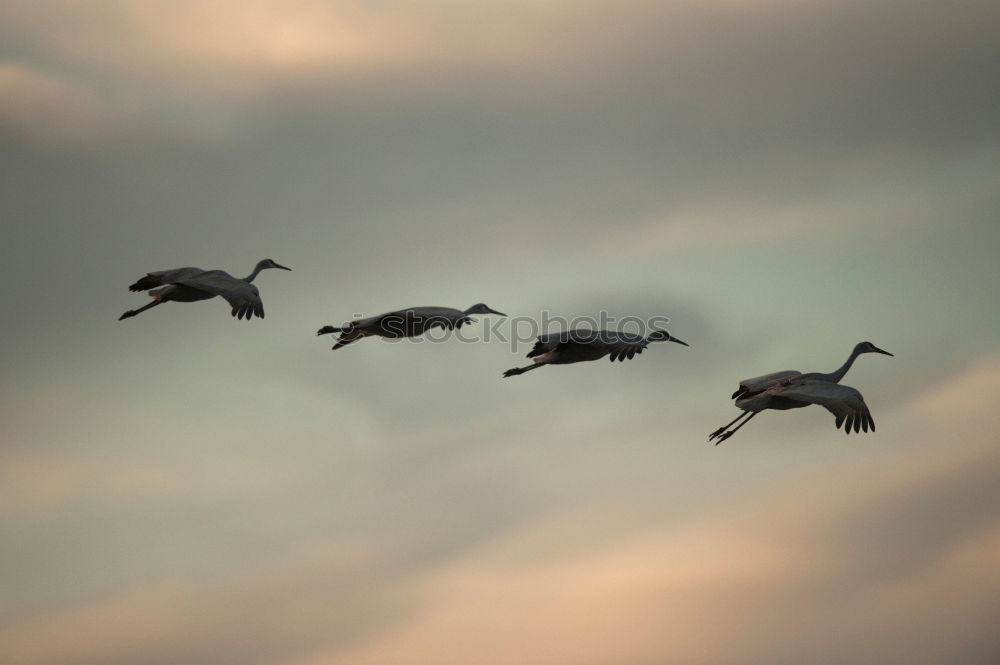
724, 436
513, 372
127, 315
716, 433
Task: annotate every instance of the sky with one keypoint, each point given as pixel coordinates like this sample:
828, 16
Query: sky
782, 179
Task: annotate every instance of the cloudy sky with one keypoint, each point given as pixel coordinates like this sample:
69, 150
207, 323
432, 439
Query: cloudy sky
781, 178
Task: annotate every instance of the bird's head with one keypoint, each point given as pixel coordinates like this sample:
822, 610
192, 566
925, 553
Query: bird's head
868, 347
268, 263
664, 336
481, 308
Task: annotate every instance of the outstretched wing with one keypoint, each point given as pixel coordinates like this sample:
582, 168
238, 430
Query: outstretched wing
844, 402
547, 342
414, 321
624, 345
551, 341
591, 344
759, 384
244, 297
163, 277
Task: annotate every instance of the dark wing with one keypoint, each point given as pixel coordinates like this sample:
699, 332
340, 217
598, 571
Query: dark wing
844, 402
415, 321
163, 277
759, 384
623, 345
542, 346
244, 297
551, 341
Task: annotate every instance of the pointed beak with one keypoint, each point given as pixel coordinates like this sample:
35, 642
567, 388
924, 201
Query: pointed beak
878, 350
674, 339
493, 311
276, 265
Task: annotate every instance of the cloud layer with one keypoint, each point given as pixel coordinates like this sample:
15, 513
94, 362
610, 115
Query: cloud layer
895, 565
781, 179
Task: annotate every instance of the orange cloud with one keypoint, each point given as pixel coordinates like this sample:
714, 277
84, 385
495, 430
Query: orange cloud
46, 109
319, 595
967, 396
230, 45
32, 481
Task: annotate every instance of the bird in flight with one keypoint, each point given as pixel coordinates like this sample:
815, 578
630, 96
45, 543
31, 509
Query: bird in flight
409, 322
193, 284
793, 390
578, 345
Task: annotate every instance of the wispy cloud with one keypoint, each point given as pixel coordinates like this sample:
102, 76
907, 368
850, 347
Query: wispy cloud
46, 109
37, 481
230, 46
187, 53
318, 596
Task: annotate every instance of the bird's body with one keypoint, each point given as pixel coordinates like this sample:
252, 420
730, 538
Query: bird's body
194, 284
408, 322
759, 383
781, 391
581, 345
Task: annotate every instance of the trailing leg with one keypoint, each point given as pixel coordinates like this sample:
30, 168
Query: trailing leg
327, 330
346, 338
722, 429
726, 435
132, 312
521, 370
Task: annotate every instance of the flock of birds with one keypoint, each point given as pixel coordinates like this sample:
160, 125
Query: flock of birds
779, 390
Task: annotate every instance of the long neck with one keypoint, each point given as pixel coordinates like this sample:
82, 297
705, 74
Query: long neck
256, 271
835, 377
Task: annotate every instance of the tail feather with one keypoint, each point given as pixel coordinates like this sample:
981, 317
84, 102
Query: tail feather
346, 338
327, 330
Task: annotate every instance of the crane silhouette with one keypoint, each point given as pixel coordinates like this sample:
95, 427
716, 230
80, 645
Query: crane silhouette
193, 284
409, 322
579, 345
793, 390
